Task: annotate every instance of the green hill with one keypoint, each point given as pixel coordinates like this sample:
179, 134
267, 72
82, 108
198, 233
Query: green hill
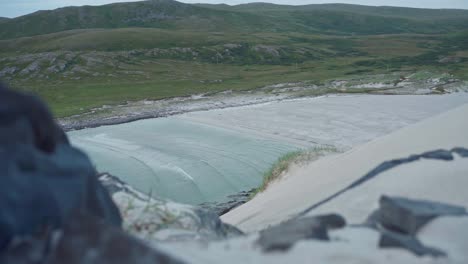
165, 14
387, 11
78, 58
361, 19
257, 17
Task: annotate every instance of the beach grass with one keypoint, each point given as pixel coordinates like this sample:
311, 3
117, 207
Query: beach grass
285, 162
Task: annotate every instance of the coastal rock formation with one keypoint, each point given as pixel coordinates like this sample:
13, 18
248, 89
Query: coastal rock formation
408, 216
234, 201
283, 236
396, 240
25, 119
85, 240
155, 219
44, 179
399, 220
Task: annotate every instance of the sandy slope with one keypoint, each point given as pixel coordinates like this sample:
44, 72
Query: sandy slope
305, 186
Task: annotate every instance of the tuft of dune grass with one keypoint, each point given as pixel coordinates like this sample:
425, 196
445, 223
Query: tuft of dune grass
284, 163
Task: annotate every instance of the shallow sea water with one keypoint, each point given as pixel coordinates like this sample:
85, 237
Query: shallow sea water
180, 160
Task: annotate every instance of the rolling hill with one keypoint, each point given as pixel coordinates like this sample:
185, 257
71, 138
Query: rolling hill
387, 11
258, 17
79, 58
164, 14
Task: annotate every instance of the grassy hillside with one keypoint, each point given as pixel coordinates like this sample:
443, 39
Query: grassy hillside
215, 47
169, 14
165, 14
387, 11
74, 78
383, 18
79, 58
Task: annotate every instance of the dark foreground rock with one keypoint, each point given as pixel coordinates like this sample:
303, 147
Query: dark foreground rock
285, 235
86, 240
43, 179
40, 129
407, 216
399, 220
463, 152
410, 243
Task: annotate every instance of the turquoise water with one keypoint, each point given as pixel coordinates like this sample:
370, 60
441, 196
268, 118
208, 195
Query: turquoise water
180, 160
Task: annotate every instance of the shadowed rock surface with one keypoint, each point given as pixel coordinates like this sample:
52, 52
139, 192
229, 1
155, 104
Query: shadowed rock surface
408, 216
85, 240
235, 200
89, 242
43, 132
394, 240
44, 179
399, 220
463, 152
285, 235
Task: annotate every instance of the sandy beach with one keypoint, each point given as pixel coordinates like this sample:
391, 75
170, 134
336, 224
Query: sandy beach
304, 186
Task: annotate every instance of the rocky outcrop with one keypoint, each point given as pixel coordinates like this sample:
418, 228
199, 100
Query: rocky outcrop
408, 216
85, 240
234, 201
283, 236
400, 219
24, 119
155, 219
44, 179
412, 244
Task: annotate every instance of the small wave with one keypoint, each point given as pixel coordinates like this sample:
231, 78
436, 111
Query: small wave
184, 173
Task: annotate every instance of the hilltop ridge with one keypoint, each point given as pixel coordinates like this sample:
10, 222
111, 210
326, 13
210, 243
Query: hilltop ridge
255, 17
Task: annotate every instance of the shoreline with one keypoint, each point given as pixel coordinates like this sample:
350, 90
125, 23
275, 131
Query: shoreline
93, 122
131, 111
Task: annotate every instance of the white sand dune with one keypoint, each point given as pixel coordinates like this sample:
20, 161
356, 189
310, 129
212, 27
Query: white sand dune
304, 186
